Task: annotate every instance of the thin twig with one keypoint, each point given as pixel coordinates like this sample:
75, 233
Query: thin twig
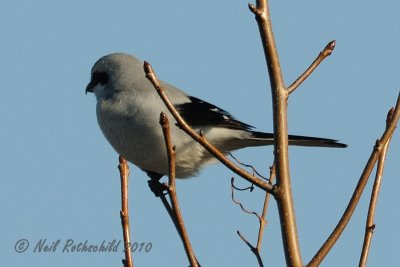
124, 213
253, 249
283, 195
261, 219
199, 138
264, 211
370, 225
322, 55
239, 203
250, 188
376, 152
172, 191
247, 165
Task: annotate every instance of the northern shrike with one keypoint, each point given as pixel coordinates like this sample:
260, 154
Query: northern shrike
128, 111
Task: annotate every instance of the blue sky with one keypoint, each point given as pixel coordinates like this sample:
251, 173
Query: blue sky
59, 179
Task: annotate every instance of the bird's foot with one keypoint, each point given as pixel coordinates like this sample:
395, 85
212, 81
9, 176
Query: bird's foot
157, 187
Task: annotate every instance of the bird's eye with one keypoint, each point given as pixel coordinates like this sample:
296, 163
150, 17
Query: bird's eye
100, 77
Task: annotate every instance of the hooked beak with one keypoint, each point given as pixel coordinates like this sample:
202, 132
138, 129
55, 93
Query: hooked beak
89, 87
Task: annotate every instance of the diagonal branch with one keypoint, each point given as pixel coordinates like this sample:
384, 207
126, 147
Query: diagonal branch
124, 213
376, 152
322, 55
370, 225
172, 192
199, 138
172, 214
252, 248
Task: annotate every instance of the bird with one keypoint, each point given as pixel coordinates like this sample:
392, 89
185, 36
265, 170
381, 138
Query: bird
128, 110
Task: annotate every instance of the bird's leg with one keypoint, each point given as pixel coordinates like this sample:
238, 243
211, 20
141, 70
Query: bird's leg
155, 185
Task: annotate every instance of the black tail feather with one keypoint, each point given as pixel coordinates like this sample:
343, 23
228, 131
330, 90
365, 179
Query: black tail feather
299, 140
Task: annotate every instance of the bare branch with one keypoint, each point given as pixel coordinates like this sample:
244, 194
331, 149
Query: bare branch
322, 55
280, 95
172, 192
376, 152
370, 225
124, 213
199, 138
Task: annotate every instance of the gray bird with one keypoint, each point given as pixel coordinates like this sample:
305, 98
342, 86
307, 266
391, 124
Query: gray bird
128, 110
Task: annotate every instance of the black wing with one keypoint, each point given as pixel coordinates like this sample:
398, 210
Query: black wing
198, 113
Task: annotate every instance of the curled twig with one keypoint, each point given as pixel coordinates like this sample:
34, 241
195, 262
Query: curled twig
255, 172
250, 188
239, 203
261, 219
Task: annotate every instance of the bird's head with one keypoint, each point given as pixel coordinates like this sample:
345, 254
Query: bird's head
114, 73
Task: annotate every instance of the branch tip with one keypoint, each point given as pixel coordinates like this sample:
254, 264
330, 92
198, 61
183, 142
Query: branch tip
121, 160
328, 49
253, 9
389, 117
163, 119
331, 45
147, 68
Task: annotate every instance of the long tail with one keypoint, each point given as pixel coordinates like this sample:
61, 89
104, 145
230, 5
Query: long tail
297, 140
